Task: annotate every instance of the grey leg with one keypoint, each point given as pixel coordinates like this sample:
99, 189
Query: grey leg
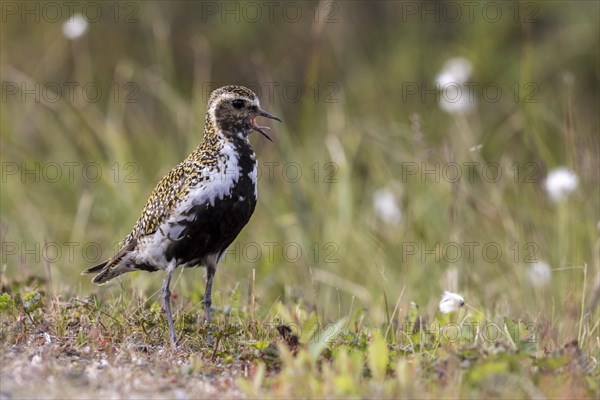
166, 296
211, 267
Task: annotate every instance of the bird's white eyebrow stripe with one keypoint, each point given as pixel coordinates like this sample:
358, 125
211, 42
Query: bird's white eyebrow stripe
231, 96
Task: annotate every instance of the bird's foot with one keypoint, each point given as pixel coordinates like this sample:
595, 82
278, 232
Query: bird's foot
174, 342
173, 337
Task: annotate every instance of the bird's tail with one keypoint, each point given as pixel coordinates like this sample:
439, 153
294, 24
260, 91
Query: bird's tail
95, 268
109, 273
112, 268
106, 272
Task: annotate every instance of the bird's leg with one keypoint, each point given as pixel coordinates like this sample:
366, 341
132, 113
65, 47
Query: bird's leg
210, 274
166, 295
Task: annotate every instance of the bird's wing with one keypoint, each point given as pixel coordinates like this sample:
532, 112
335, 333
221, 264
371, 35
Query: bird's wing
162, 201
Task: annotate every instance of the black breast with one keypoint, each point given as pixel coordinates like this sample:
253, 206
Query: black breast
210, 229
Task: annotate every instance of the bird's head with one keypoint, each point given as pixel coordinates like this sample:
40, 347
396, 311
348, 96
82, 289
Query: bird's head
233, 111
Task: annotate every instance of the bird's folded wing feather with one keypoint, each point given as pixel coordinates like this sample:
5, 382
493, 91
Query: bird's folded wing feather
163, 200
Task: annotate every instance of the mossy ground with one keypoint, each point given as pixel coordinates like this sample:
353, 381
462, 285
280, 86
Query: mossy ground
93, 348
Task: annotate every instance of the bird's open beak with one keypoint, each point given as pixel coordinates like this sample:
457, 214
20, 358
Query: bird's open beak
261, 129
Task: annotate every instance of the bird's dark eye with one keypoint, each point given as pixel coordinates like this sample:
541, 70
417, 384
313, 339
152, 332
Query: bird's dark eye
237, 103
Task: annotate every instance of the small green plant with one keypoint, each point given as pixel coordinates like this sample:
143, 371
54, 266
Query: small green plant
7, 304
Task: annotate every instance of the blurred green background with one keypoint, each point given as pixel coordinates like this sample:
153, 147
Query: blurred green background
90, 123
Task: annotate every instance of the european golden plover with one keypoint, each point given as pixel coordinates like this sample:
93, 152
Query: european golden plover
196, 211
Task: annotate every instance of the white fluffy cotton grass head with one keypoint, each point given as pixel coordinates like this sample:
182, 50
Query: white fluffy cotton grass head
451, 302
75, 27
560, 183
386, 206
455, 97
539, 274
